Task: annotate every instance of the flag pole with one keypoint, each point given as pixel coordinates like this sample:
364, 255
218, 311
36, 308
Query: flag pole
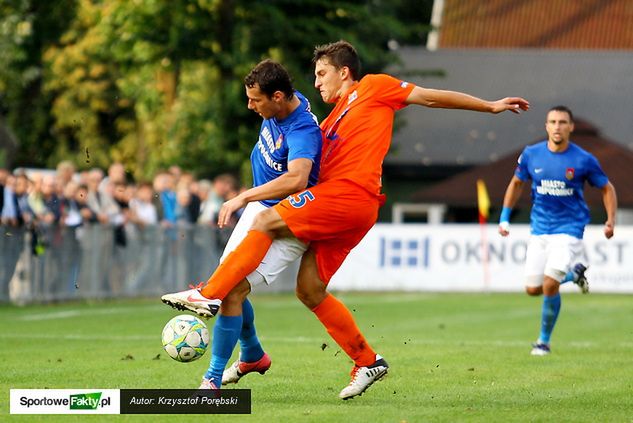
483, 204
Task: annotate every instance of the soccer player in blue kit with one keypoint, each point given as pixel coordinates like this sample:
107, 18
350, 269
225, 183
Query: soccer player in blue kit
558, 169
285, 160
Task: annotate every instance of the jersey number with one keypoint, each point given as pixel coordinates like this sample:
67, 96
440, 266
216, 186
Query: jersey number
299, 200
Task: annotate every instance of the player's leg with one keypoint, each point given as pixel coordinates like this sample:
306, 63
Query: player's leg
225, 334
281, 262
561, 250
237, 266
338, 217
251, 349
192, 299
252, 357
549, 313
268, 225
576, 273
339, 323
535, 258
280, 256
334, 315
244, 260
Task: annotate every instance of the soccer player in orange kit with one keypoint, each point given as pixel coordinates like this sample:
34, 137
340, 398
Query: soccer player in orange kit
334, 215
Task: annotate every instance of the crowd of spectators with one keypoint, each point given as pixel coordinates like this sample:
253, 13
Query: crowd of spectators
69, 198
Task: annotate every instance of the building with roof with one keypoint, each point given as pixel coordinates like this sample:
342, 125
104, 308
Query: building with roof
542, 24
458, 194
580, 54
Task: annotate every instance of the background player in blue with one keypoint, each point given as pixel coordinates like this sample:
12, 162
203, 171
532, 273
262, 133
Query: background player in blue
558, 170
285, 160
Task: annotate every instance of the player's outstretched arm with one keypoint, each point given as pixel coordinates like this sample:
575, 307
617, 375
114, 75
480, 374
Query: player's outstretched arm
610, 200
456, 100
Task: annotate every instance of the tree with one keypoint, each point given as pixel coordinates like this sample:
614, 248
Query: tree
27, 29
159, 82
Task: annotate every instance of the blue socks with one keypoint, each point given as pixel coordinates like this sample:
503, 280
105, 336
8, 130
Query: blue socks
569, 277
225, 335
250, 348
551, 308
226, 332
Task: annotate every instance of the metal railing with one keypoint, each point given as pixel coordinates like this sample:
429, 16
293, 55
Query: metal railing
95, 261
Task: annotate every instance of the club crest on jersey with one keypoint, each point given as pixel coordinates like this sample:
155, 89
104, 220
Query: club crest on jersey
353, 96
569, 173
403, 84
279, 141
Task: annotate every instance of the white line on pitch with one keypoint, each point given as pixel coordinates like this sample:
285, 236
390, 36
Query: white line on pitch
66, 314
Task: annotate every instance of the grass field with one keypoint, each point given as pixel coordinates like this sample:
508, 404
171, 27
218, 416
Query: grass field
453, 357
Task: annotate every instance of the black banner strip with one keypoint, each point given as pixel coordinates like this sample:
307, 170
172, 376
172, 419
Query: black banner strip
185, 401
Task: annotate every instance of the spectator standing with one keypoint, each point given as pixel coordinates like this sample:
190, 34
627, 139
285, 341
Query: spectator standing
164, 187
222, 186
142, 209
65, 173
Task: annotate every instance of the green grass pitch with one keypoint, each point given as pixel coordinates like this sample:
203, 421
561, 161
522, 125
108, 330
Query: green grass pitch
453, 357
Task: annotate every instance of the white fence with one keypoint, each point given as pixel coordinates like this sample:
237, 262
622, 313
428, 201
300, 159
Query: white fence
61, 263
89, 263
423, 257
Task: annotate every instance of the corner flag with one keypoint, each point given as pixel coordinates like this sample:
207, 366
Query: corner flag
483, 201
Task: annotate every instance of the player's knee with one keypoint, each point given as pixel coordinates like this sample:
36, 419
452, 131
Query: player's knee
309, 297
551, 287
534, 290
238, 294
266, 220
303, 296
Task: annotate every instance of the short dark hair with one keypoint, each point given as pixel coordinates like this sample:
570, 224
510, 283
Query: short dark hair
339, 54
563, 109
271, 77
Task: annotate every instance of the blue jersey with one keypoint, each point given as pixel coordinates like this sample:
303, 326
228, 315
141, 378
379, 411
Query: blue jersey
298, 136
558, 203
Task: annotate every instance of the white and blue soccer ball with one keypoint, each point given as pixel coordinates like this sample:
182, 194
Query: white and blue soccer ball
185, 338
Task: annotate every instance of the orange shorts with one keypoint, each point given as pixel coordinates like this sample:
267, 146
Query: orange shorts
333, 217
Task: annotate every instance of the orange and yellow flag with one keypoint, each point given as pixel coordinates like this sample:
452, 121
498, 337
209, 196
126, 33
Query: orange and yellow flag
483, 201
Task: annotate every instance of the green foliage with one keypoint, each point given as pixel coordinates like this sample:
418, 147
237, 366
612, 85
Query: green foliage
453, 358
153, 83
27, 29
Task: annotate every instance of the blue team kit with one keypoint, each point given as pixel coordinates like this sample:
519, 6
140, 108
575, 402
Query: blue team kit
282, 141
558, 180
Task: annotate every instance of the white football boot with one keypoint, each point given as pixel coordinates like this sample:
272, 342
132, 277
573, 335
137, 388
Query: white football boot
193, 300
541, 349
364, 377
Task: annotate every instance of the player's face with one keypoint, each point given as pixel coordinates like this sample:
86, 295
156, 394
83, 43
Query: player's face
558, 126
261, 104
328, 80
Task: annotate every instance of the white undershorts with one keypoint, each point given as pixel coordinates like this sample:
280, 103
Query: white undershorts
283, 258
553, 256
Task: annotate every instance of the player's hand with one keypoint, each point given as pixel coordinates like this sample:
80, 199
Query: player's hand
513, 104
608, 230
504, 229
228, 208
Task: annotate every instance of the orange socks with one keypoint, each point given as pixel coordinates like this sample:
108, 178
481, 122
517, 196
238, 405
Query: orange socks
238, 265
340, 324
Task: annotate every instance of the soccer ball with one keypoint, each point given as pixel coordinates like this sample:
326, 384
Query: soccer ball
185, 338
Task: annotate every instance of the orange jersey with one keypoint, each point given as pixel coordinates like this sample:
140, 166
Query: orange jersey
357, 133
333, 217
